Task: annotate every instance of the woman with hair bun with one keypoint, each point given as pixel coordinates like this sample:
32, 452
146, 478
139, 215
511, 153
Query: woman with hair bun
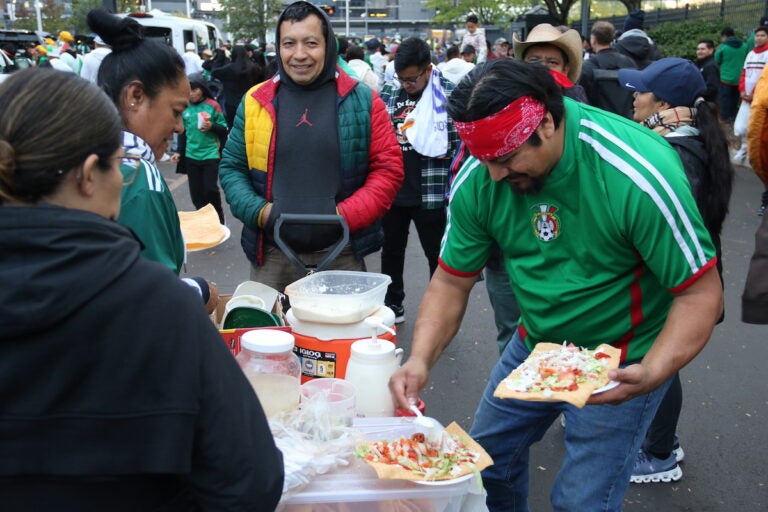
145, 79
109, 400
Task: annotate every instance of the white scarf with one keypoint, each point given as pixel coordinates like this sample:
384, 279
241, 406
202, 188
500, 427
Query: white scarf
426, 126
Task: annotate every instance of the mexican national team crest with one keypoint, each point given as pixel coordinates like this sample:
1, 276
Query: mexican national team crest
545, 223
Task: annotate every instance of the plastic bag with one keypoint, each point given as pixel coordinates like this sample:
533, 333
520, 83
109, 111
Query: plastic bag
742, 120
310, 444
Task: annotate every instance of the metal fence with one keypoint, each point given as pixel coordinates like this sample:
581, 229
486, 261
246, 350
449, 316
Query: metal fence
742, 15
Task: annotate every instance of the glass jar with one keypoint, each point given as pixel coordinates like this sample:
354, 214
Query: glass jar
274, 371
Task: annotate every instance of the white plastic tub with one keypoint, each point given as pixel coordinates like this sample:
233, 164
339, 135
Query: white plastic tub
337, 296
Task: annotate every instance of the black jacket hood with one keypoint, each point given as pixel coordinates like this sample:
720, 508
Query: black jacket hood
637, 47
52, 261
329, 66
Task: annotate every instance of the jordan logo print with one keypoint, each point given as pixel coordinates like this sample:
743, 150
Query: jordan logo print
304, 119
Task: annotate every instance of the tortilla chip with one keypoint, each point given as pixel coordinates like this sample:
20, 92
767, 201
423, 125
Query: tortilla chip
397, 472
577, 398
201, 229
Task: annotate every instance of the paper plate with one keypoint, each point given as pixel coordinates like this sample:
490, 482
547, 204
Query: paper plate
611, 384
462, 478
227, 234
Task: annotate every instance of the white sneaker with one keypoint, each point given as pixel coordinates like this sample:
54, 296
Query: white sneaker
740, 156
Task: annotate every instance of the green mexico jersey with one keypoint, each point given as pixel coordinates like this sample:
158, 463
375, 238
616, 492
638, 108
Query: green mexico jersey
596, 255
148, 208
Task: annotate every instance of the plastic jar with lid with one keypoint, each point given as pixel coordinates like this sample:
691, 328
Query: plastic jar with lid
274, 371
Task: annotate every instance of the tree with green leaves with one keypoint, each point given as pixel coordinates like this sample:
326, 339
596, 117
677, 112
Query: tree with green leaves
51, 16
80, 10
250, 19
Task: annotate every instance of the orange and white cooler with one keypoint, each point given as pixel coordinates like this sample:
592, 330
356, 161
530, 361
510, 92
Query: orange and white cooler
324, 349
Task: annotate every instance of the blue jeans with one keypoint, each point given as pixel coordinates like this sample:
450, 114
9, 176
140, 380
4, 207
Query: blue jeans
729, 102
601, 444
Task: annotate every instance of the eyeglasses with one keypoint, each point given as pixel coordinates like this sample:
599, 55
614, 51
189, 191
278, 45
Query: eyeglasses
133, 161
411, 81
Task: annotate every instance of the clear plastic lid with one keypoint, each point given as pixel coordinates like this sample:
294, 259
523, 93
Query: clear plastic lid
267, 341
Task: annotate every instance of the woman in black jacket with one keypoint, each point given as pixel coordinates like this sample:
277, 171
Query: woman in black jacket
668, 100
117, 392
237, 77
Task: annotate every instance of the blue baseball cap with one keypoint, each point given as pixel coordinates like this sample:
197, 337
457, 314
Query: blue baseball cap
674, 80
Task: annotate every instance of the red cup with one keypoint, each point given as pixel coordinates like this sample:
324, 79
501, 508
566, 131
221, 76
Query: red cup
420, 405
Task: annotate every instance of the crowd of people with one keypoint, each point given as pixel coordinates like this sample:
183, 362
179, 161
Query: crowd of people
591, 178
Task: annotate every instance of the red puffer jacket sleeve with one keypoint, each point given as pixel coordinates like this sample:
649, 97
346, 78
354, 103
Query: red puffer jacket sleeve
385, 173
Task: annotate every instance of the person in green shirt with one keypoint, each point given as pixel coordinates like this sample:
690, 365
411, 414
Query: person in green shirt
204, 128
145, 80
603, 243
730, 56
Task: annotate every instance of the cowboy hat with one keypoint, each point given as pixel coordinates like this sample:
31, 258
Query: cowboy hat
544, 33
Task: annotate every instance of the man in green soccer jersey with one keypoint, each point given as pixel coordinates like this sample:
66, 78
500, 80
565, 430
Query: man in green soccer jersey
603, 243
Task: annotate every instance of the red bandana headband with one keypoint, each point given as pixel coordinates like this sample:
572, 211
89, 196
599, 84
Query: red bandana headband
503, 132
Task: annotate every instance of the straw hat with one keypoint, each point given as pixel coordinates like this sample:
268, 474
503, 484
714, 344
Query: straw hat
544, 33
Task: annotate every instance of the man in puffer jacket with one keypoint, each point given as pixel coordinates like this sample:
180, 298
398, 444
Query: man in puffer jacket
335, 152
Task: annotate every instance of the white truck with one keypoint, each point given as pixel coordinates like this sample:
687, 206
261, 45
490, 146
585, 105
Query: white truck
177, 31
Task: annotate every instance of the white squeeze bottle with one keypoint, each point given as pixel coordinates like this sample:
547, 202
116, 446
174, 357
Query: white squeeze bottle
274, 371
371, 364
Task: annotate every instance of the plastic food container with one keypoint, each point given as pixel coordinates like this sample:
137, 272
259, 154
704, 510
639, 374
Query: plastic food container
268, 361
356, 488
337, 296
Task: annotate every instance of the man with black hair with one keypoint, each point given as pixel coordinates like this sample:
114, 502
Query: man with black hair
603, 243
599, 75
428, 144
454, 68
310, 141
705, 61
469, 54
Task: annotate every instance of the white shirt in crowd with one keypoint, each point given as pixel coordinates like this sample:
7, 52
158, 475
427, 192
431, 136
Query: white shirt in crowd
192, 63
364, 73
477, 40
455, 69
92, 63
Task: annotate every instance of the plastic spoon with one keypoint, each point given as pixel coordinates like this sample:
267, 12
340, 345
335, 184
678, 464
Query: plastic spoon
434, 432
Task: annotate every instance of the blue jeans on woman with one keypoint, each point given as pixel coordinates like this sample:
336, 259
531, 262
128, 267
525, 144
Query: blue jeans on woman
601, 443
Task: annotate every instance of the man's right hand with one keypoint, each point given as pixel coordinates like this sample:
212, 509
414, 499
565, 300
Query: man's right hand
406, 383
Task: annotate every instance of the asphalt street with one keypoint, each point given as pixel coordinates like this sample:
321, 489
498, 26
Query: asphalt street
722, 428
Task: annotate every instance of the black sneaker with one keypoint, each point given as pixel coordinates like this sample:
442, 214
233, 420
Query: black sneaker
399, 313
